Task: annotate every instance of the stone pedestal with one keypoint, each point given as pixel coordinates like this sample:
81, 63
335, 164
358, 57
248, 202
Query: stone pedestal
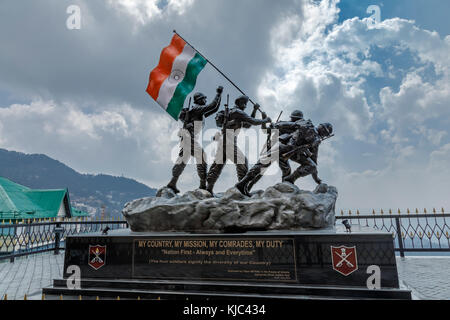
280, 207
319, 264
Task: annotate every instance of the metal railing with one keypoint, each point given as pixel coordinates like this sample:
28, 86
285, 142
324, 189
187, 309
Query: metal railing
412, 231
20, 238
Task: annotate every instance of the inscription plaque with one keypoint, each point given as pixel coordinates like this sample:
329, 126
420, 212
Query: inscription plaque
281, 264
251, 259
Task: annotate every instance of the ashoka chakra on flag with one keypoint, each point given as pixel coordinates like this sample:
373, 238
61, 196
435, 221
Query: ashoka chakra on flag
175, 76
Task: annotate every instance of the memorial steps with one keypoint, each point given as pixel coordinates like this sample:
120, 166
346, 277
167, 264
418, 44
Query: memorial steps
201, 290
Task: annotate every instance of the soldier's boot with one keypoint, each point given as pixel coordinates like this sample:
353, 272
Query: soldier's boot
316, 177
285, 172
176, 173
203, 185
201, 171
300, 172
253, 182
242, 185
285, 168
213, 175
241, 171
173, 185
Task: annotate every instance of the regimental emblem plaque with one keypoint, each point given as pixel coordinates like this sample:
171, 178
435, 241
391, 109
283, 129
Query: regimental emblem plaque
97, 256
344, 259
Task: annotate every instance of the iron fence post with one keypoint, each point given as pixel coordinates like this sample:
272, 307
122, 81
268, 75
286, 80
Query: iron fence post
57, 237
14, 246
399, 237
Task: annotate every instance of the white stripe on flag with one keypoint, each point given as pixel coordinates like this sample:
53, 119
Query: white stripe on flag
178, 69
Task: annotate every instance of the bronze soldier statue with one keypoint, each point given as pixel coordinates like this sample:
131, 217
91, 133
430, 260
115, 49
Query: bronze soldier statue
231, 124
308, 158
197, 113
285, 128
301, 146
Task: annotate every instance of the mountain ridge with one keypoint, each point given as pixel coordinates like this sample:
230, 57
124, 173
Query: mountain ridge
88, 192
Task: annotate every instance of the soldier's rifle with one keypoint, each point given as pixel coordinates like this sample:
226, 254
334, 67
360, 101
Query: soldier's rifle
224, 127
269, 135
187, 119
189, 109
226, 114
305, 147
279, 116
269, 132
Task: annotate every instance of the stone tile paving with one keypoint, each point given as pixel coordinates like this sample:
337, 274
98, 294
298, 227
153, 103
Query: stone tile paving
427, 277
28, 275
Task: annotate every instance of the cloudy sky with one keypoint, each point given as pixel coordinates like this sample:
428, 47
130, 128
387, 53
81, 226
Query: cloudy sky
79, 95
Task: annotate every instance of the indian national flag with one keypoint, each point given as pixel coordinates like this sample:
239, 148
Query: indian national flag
175, 76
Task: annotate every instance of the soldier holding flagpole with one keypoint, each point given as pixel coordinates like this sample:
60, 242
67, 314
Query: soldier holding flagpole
193, 121
170, 83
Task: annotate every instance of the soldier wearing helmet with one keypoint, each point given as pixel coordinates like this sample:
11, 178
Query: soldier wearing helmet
237, 119
189, 136
296, 115
285, 129
325, 129
308, 158
301, 147
200, 99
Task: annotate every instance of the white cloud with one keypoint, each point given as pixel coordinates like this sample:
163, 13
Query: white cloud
439, 161
145, 10
393, 151
93, 81
113, 139
323, 67
325, 71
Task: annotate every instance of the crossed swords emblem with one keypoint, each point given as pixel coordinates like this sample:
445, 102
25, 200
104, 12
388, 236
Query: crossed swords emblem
97, 257
344, 257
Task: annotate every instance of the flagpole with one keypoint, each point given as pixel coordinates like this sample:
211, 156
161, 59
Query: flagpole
207, 60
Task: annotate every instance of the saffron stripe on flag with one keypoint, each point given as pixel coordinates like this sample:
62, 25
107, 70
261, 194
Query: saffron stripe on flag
179, 69
186, 86
164, 68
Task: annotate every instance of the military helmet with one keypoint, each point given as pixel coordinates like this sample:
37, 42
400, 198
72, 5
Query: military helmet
325, 129
240, 100
198, 97
296, 115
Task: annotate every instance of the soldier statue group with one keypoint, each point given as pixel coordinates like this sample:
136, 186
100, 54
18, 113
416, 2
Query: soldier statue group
298, 141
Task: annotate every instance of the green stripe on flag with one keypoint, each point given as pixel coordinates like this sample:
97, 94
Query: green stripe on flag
186, 86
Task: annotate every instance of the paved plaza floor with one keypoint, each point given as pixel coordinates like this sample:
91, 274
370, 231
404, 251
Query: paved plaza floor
28, 275
427, 277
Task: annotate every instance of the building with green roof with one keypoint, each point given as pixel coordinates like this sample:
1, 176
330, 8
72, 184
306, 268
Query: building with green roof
18, 202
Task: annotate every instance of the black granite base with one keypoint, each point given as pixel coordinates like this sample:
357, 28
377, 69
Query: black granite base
289, 264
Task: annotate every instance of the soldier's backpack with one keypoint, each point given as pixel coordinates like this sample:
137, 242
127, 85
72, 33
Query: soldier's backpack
184, 115
220, 118
284, 138
305, 126
305, 131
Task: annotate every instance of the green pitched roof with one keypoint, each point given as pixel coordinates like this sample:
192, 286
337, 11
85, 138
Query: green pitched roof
79, 213
20, 202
